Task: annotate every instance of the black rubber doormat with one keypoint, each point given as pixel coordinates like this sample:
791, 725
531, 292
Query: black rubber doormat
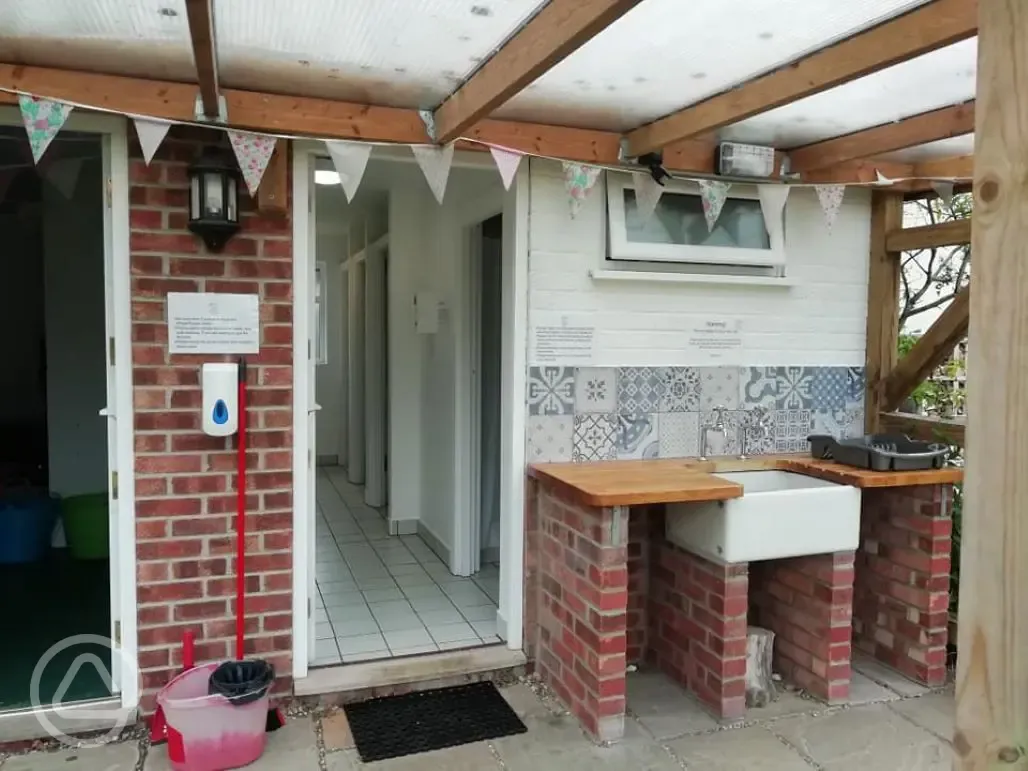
394, 726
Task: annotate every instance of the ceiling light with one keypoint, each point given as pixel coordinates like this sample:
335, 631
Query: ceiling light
326, 177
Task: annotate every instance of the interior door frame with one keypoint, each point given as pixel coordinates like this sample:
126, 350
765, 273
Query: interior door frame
119, 411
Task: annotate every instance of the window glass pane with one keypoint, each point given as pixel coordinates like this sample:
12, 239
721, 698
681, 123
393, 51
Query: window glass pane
679, 219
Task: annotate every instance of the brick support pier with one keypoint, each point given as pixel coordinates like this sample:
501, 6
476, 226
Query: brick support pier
902, 579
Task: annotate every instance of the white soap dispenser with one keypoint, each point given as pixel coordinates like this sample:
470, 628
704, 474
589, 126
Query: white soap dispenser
220, 384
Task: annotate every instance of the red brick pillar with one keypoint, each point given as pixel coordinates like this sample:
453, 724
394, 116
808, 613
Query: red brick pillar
185, 480
639, 529
807, 602
698, 626
902, 579
576, 597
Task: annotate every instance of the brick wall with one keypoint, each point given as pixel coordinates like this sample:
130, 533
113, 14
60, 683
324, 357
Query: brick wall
902, 579
185, 480
807, 602
576, 595
640, 537
698, 625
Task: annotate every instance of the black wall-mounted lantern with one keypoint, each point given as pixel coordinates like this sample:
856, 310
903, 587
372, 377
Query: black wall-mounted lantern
214, 197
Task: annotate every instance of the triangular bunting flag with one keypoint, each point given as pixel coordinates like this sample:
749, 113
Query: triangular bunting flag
881, 179
350, 160
647, 194
151, 133
945, 192
712, 196
253, 152
435, 164
772, 204
579, 179
64, 175
43, 118
507, 162
830, 198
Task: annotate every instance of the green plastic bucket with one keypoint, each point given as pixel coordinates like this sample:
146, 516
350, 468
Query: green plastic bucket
87, 525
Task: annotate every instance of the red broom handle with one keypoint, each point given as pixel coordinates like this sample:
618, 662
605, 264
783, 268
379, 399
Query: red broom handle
241, 517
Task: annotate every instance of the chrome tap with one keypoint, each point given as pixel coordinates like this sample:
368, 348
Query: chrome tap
757, 420
718, 425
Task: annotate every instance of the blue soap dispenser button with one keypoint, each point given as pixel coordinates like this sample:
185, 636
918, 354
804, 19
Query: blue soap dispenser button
220, 414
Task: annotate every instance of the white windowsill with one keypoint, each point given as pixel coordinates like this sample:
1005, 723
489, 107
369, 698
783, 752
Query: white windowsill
689, 278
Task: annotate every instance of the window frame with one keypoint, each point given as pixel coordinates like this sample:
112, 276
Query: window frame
621, 250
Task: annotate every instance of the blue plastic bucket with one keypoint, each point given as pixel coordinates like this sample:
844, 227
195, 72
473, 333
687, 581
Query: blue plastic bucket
26, 525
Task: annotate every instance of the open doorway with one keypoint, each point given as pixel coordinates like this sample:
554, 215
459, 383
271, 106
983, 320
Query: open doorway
393, 393
54, 440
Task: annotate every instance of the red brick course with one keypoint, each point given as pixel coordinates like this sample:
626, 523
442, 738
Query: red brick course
186, 481
807, 602
576, 593
902, 579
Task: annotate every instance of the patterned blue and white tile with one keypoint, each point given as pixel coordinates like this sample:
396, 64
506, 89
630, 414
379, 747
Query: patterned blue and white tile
548, 438
721, 444
794, 385
792, 427
855, 384
719, 386
680, 435
595, 438
681, 389
758, 386
551, 390
760, 440
638, 436
640, 389
841, 424
596, 389
829, 388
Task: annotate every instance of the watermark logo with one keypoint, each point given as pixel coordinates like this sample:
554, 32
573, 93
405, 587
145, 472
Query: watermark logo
85, 650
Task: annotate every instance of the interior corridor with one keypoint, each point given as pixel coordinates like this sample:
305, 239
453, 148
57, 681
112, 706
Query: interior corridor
381, 596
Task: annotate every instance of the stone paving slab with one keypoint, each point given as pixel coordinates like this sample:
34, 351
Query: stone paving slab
293, 747
753, 748
109, 757
935, 712
886, 676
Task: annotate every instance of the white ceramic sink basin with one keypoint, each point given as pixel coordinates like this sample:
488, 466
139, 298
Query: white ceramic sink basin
780, 514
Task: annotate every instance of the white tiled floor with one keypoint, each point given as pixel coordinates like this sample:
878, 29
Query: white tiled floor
380, 595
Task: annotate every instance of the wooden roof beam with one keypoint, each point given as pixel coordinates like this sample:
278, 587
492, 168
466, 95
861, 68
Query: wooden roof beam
960, 167
909, 132
557, 30
200, 14
925, 29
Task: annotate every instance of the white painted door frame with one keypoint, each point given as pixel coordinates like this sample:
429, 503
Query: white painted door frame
119, 408
514, 206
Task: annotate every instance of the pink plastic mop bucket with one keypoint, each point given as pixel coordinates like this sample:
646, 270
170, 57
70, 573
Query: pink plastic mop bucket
207, 732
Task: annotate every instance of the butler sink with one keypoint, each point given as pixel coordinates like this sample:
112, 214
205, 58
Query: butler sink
780, 514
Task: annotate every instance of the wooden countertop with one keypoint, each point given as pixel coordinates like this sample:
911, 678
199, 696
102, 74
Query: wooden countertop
638, 482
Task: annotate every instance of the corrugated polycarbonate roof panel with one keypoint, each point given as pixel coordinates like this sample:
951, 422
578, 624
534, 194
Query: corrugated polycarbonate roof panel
143, 38
944, 148
667, 54
404, 53
935, 80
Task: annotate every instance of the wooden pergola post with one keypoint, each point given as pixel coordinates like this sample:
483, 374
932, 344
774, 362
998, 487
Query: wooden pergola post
883, 283
992, 679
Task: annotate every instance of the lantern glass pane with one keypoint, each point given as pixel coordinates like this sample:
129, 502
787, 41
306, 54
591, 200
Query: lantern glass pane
232, 198
194, 198
213, 199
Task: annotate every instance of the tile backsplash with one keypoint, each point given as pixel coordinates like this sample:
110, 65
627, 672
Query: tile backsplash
608, 413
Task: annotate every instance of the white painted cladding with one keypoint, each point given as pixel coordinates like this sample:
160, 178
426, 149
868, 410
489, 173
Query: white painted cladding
819, 320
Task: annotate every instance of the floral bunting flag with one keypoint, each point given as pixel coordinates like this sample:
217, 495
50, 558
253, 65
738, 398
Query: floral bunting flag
507, 162
43, 118
712, 195
830, 198
772, 204
435, 164
945, 192
253, 152
350, 160
647, 193
151, 133
579, 179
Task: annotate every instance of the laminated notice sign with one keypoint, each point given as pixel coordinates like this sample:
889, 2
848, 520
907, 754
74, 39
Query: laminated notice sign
213, 323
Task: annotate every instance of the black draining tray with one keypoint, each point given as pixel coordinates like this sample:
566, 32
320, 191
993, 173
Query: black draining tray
880, 452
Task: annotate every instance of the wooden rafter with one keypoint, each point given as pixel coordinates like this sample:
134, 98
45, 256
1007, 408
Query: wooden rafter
557, 30
882, 303
200, 14
960, 167
932, 349
916, 130
952, 233
935, 25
